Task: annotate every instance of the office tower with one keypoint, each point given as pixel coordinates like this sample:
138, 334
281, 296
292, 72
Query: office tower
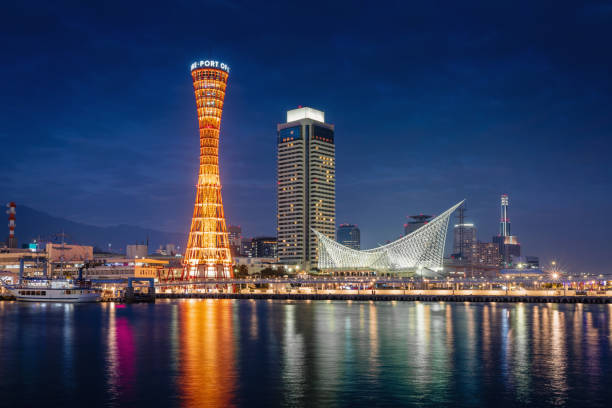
264, 247
306, 180
464, 238
415, 222
349, 236
509, 246
208, 253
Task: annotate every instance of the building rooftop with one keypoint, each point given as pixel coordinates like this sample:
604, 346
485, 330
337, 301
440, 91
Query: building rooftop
305, 113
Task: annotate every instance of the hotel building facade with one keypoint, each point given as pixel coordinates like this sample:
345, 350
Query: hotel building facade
306, 185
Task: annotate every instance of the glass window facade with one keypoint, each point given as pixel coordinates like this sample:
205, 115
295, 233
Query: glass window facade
324, 134
289, 134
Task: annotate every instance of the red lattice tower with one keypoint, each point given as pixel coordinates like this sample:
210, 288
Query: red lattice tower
208, 252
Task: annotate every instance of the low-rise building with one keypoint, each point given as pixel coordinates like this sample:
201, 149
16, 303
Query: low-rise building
255, 265
122, 268
136, 251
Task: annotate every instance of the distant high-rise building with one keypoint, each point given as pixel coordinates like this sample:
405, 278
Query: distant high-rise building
349, 236
485, 253
415, 222
509, 246
246, 248
234, 233
464, 239
264, 247
306, 185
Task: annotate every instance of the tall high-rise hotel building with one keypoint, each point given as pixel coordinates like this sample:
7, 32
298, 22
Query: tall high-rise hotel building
306, 176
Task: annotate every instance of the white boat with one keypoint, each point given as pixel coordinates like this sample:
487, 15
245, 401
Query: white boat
54, 291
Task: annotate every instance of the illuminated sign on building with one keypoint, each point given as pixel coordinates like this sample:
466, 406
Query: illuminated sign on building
210, 64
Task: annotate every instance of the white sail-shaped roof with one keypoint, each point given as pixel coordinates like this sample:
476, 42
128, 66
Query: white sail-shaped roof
423, 248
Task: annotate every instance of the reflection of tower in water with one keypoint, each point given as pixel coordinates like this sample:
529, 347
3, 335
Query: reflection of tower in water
207, 369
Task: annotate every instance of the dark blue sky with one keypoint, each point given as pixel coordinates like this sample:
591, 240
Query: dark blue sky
433, 102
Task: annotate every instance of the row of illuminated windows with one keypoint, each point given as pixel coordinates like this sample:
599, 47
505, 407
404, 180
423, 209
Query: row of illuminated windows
199, 86
204, 74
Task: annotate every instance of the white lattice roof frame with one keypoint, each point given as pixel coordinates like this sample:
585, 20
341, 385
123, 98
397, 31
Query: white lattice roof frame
423, 248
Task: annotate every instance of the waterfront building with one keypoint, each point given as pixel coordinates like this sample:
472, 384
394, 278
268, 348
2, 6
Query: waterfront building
306, 179
485, 253
349, 236
255, 265
531, 262
53, 259
208, 251
264, 247
415, 222
421, 251
464, 240
123, 268
136, 251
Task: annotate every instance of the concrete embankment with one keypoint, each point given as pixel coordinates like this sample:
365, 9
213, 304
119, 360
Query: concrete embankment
377, 297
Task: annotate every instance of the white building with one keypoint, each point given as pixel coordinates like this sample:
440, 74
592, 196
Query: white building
306, 195
421, 251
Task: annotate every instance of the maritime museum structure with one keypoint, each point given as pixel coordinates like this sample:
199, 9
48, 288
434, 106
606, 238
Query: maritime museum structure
421, 251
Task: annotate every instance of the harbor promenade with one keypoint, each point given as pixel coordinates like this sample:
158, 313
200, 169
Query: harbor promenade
603, 297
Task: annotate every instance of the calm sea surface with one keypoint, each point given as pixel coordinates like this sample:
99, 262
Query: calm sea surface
321, 353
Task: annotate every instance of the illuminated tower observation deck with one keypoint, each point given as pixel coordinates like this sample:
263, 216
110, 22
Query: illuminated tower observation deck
208, 253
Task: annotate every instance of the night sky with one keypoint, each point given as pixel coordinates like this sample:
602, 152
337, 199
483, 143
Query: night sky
433, 102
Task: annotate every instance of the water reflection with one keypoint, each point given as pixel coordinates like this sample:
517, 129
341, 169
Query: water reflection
207, 372
557, 366
68, 345
244, 353
293, 358
120, 358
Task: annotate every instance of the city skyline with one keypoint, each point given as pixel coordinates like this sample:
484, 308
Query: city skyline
428, 133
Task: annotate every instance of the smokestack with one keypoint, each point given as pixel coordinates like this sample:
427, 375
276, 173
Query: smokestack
12, 210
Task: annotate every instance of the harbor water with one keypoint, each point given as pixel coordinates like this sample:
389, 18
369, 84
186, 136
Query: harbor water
221, 352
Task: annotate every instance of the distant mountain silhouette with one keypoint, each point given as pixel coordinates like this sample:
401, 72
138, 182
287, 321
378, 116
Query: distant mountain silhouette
32, 224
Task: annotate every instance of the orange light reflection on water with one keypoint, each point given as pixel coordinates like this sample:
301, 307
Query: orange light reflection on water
208, 368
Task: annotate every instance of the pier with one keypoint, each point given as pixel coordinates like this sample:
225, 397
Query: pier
394, 297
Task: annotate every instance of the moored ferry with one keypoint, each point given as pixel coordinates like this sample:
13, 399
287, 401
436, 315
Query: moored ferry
55, 291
